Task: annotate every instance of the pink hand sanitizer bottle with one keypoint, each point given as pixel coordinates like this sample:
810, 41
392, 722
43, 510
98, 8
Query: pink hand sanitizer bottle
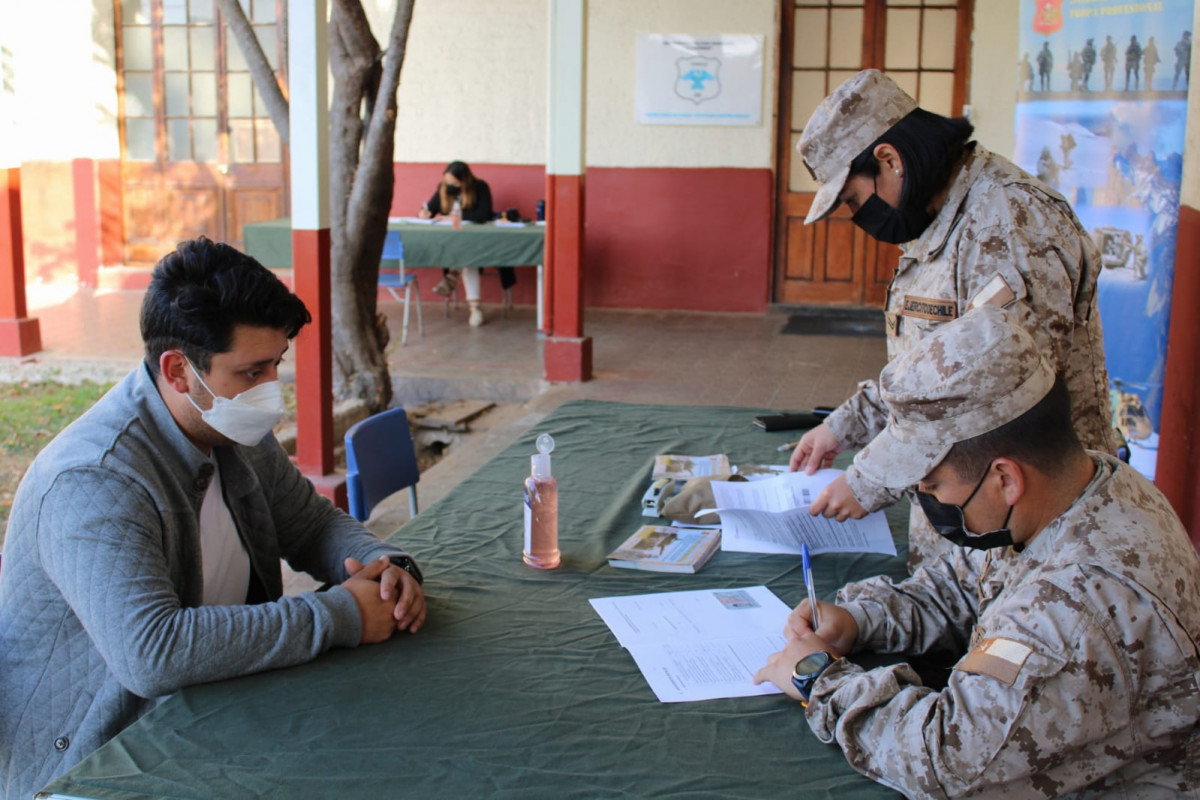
541, 510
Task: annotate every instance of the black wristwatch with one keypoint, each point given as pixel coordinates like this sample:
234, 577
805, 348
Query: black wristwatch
808, 669
408, 565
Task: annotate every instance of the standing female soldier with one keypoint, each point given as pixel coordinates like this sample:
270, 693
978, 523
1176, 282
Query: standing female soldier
975, 230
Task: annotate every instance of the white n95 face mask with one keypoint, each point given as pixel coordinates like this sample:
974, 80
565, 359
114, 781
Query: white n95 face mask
247, 417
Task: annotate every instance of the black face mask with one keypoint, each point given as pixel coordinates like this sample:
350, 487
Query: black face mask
891, 225
453, 191
950, 521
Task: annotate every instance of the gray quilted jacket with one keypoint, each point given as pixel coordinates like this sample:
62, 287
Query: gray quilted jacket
101, 585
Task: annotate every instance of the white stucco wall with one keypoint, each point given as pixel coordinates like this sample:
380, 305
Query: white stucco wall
993, 88
615, 140
62, 57
477, 90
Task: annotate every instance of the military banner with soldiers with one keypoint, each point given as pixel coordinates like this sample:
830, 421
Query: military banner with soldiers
1101, 117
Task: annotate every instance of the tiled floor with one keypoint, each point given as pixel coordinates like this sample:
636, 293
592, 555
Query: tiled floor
638, 356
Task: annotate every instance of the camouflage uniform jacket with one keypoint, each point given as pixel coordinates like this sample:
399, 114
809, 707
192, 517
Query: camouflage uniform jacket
1081, 672
1002, 237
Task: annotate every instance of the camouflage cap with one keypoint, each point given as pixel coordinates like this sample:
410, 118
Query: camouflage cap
968, 377
846, 123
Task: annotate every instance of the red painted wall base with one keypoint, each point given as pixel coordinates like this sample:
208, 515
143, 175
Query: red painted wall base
20, 337
567, 360
1177, 473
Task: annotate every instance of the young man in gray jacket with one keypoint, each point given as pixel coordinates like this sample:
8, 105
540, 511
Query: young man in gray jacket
143, 548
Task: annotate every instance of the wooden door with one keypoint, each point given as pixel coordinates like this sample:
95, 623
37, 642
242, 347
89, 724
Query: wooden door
924, 46
199, 154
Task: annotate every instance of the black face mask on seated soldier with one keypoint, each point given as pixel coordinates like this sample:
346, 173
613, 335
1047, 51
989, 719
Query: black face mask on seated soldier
887, 224
453, 191
950, 521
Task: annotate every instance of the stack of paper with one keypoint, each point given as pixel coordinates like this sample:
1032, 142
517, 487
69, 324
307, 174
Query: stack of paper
772, 516
699, 645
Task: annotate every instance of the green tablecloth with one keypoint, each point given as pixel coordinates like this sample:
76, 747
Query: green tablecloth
424, 245
515, 688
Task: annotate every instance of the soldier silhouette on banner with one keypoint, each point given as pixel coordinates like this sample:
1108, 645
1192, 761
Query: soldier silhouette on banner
1087, 60
1045, 63
1183, 59
1150, 62
1133, 62
1108, 56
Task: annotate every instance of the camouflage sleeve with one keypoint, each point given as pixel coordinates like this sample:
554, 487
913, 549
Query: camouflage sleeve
1030, 244
860, 418
1033, 711
934, 610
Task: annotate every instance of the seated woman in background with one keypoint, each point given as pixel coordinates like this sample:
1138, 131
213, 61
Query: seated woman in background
461, 193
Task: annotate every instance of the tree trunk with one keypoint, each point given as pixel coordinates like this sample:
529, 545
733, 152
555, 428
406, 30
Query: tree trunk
362, 123
260, 69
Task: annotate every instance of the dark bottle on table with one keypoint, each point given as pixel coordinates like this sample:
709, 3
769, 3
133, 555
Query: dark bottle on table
541, 210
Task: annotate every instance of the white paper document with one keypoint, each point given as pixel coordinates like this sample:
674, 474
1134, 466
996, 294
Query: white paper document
411, 220
771, 516
699, 645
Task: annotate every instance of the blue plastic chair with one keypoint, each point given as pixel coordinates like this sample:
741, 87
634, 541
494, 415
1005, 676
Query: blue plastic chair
380, 460
396, 278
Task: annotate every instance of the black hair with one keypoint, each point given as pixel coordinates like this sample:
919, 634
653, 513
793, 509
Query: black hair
930, 146
1043, 437
199, 292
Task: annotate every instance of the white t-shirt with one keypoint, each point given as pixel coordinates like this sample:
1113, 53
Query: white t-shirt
225, 562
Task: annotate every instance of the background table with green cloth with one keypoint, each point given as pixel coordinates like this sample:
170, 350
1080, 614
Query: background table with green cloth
424, 245
515, 687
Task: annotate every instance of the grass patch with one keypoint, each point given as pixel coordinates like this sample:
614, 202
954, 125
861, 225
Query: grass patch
31, 414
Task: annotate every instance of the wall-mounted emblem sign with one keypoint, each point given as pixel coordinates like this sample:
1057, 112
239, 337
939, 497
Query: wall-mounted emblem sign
684, 79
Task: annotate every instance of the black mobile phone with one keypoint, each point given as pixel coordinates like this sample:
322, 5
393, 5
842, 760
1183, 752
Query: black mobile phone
792, 421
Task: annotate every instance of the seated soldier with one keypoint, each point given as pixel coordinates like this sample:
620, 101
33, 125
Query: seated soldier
1073, 603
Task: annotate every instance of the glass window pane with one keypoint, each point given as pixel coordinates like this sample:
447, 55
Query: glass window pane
174, 12
139, 94
267, 142
179, 140
845, 37
204, 94
856, 3
902, 30
139, 139
240, 104
937, 92
808, 90
204, 146
201, 12
809, 37
135, 12
137, 48
203, 55
264, 10
245, 4
270, 43
260, 108
241, 141
908, 82
937, 39
941, 2
177, 94
234, 60
175, 48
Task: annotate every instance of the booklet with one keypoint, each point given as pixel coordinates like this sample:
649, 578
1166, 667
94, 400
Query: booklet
681, 468
665, 548
699, 645
771, 516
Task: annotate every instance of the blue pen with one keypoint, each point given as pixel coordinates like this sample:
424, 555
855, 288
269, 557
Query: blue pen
808, 585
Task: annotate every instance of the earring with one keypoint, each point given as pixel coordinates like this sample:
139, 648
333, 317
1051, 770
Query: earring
896, 171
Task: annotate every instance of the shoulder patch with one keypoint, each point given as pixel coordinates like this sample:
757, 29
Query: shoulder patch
996, 292
997, 658
938, 310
